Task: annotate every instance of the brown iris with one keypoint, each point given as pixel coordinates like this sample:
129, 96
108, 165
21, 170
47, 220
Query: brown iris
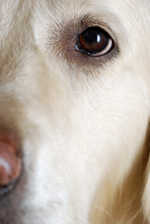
94, 41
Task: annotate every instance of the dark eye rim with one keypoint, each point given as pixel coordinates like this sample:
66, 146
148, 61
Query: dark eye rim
78, 47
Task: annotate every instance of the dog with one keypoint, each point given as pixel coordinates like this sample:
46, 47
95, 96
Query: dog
74, 112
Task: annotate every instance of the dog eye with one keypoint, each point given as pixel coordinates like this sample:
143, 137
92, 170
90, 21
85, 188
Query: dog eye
95, 42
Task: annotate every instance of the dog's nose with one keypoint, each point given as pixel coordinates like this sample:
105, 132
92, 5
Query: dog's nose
10, 160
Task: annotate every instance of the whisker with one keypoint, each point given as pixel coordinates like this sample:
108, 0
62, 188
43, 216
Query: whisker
103, 210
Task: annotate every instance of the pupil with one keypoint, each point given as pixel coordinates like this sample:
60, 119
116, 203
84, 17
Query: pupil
93, 40
92, 36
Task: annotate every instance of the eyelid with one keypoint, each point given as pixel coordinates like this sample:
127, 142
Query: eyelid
89, 20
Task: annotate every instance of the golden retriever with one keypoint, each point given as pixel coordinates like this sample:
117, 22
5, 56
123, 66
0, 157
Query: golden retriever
74, 111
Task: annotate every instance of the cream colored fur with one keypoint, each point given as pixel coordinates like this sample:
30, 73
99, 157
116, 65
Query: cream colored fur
84, 126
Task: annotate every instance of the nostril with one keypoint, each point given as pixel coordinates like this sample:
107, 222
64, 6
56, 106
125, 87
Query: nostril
10, 161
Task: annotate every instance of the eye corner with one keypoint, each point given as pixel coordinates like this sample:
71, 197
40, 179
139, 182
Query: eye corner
79, 48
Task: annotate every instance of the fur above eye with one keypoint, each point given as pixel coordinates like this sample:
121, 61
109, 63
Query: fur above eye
95, 42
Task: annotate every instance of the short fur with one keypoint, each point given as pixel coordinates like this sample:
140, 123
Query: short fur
83, 121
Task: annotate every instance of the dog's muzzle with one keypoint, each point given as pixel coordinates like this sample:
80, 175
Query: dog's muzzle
10, 161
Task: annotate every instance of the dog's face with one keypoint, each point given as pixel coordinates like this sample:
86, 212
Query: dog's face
74, 105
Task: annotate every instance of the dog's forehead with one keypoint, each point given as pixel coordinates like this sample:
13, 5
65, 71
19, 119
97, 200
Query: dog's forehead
55, 7
16, 12
22, 14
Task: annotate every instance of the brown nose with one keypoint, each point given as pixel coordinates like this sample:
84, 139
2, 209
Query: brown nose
10, 159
